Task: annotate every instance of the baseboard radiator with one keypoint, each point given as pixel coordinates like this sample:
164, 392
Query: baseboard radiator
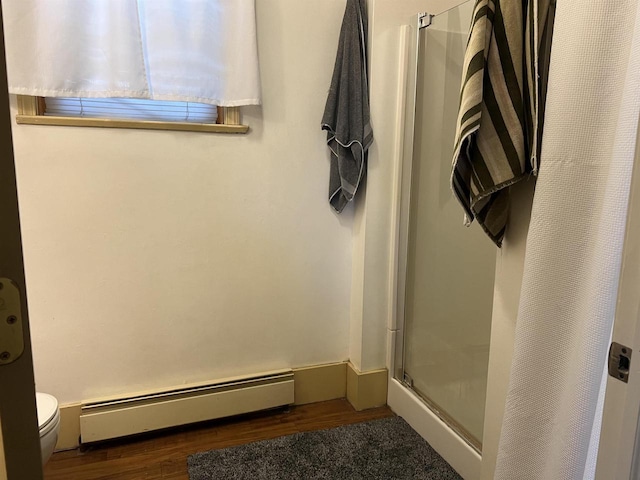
118, 417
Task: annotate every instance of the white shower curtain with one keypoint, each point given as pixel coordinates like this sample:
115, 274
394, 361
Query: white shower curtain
554, 405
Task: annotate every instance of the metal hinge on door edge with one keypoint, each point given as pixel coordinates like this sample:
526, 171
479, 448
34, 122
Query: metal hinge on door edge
407, 380
11, 337
424, 19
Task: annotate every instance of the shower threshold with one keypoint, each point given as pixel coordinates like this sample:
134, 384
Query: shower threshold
462, 432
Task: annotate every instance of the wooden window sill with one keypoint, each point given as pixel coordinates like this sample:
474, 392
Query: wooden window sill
139, 124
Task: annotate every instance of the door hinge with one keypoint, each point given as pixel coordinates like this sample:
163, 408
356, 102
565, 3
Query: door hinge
620, 361
424, 20
407, 380
11, 336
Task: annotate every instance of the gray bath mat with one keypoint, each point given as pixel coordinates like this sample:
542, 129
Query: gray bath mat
379, 449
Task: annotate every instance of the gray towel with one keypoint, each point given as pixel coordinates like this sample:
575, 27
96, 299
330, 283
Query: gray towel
346, 114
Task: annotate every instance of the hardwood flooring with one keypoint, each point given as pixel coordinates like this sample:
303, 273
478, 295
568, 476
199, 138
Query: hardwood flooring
164, 455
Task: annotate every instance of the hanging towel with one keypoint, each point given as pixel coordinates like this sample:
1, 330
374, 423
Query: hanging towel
346, 114
500, 116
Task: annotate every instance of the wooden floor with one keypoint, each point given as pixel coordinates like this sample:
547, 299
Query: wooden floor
164, 455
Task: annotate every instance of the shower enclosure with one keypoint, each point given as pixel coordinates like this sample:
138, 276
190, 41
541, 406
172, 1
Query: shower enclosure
445, 275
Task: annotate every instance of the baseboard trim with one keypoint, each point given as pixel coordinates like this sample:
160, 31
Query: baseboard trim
320, 383
366, 389
69, 436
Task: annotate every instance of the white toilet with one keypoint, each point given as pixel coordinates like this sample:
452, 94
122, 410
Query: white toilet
48, 423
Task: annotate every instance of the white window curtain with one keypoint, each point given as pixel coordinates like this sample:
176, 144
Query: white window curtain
181, 50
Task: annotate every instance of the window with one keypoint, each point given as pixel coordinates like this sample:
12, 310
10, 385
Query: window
128, 113
181, 57
130, 108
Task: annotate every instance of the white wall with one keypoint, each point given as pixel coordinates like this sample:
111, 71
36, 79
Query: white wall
159, 258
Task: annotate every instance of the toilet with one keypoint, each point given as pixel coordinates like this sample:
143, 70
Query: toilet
48, 423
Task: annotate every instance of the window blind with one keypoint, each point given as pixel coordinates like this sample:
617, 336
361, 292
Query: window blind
131, 108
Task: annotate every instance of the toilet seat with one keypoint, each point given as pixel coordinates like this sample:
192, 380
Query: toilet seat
48, 413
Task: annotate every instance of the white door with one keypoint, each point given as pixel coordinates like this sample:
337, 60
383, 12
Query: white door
17, 395
617, 457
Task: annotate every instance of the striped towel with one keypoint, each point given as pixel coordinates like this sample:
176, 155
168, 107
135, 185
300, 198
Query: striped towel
502, 97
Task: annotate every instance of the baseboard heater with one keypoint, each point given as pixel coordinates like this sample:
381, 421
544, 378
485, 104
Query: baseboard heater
118, 417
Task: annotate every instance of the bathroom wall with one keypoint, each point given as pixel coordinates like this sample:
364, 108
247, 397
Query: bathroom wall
160, 258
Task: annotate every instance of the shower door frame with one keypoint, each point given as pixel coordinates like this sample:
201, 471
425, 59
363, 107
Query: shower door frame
402, 399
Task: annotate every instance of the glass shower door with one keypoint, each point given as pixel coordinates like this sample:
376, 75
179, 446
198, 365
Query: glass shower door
448, 287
